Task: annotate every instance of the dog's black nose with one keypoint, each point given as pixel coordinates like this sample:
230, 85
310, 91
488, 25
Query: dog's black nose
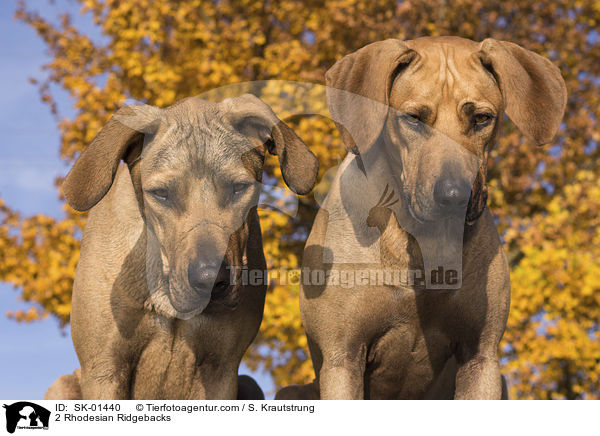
204, 277
451, 193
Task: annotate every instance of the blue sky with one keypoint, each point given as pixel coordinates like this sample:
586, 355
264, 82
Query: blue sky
33, 355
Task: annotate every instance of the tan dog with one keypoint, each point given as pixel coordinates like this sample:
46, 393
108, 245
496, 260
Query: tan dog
420, 118
159, 309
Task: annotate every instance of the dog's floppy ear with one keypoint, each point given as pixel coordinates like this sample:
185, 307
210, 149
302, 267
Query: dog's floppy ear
358, 90
121, 138
534, 92
250, 115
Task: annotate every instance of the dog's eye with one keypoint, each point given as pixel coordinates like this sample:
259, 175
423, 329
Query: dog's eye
161, 194
412, 118
482, 119
238, 188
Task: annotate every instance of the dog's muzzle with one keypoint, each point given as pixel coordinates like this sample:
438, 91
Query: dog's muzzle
209, 277
451, 195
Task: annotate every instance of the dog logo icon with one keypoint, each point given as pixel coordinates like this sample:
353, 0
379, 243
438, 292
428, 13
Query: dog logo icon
26, 415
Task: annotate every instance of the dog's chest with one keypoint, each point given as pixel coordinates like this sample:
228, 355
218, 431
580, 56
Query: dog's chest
173, 365
405, 361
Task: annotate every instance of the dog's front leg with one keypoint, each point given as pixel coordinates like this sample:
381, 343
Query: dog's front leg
342, 376
105, 383
479, 378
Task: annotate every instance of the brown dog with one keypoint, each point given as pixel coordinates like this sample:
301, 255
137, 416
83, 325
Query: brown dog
420, 118
159, 310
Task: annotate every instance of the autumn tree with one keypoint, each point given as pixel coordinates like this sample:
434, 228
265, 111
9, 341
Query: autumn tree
546, 199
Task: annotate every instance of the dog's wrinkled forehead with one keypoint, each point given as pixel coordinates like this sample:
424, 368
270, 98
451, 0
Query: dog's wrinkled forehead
451, 69
195, 134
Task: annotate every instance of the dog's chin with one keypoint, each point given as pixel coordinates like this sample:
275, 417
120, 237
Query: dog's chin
426, 216
166, 305
188, 303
